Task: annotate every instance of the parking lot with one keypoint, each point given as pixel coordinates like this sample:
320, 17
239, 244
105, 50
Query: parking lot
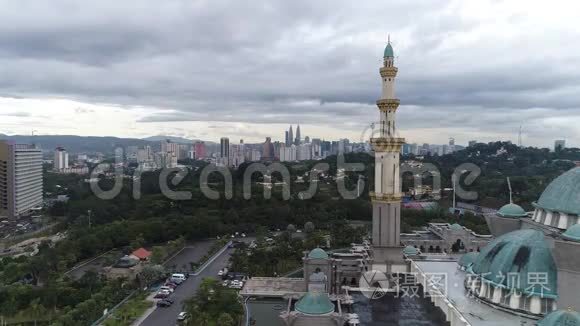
168, 315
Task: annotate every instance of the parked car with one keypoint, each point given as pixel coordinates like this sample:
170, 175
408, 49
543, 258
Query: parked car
166, 288
178, 278
221, 272
161, 295
182, 316
171, 285
163, 303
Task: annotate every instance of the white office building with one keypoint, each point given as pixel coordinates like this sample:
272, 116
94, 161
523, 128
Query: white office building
20, 178
60, 159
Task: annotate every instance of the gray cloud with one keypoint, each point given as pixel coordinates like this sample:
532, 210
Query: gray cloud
288, 61
15, 114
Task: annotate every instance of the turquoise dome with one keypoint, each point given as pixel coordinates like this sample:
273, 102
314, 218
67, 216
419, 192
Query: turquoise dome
318, 253
519, 254
563, 194
561, 318
388, 51
410, 251
468, 259
573, 233
314, 303
456, 227
511, 210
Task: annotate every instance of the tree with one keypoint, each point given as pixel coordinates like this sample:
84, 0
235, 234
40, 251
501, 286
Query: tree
225, 320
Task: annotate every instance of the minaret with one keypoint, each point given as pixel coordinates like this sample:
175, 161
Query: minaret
386, 198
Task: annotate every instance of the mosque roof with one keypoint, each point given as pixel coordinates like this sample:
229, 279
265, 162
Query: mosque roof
512, 210
563, 194
520, 255
389, 51
468, 259
561, 318
573, 233
314, 303
317, 253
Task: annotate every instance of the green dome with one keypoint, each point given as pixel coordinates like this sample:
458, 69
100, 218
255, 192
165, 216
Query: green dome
573, 233
456, 227
388, 51
318, 253
410, 251
563, 194
314, 303
519, 254
468, 259
512, 210
561, 318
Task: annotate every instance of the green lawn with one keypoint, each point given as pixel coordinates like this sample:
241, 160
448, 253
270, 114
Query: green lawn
129, 312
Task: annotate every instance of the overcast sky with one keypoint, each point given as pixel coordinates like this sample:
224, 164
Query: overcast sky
248, 69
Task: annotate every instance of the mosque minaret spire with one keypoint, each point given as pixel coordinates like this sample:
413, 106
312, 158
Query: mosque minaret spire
386, 198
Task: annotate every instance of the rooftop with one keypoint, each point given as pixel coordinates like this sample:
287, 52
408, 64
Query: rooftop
476, 312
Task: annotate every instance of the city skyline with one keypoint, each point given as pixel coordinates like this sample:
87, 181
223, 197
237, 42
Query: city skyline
149, 81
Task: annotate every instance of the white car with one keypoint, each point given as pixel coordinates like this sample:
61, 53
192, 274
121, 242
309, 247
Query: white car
221, 272
243, 235
182, 316
166, 288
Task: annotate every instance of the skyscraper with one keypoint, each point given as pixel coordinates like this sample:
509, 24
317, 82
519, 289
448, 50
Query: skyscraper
20, 178
60, 159
286, 141
224, 147
559, 144
290, 137
386, 198
268, 150
298, 139
199, 149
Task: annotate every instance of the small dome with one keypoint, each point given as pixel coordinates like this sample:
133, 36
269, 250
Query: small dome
511, 210
389, 51
573, 233
314, 303
318, 253
561, 318
410, 251
468, 259
521, 253
563, 194
456, 227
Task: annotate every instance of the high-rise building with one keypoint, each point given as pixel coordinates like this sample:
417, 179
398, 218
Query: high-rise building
386, 197
298, 139
168, 146
472, 143
290, 137
268, 150
286, 141
225, 150
452, 144
199, 150
20, 178
559, 144
60, 159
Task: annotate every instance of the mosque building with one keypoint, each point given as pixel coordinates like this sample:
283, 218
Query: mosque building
526, 273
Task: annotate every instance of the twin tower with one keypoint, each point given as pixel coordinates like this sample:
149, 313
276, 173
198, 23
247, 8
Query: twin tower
386, 198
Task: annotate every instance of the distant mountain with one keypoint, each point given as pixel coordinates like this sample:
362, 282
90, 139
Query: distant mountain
80, 144
171, 138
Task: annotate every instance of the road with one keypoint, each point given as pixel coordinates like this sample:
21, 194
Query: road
168, 316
